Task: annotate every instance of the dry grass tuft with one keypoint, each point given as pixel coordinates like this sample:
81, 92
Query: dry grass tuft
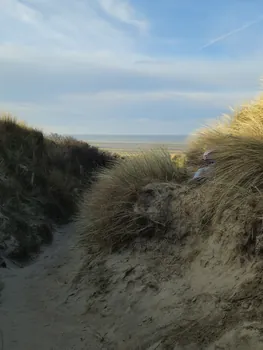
246, 121
106, 214
238, 141
237, 180
233, 198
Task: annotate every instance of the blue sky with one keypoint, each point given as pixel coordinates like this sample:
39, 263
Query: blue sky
128, 66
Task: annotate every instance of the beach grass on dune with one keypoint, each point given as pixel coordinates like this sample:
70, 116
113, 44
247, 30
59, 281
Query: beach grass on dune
106, 215
233, 196
40, 178
107, 219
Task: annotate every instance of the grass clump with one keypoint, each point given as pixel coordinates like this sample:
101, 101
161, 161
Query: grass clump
246, 122
237, 176
232, 200
238, 144
40, 179
106, 215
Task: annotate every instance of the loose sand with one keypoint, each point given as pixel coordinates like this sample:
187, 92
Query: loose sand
153, 296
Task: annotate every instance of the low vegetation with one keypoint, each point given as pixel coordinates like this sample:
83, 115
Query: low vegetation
245, 121
40, 180
238, 144
106, 214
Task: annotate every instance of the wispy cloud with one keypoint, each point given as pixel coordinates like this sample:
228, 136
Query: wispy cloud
74, 25
217, 99
19, 11
123, 12
232, 32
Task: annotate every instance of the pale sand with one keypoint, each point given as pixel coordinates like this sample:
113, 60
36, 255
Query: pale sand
135, 147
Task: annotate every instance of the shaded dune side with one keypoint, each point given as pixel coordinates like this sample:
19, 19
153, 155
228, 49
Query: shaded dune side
40, 179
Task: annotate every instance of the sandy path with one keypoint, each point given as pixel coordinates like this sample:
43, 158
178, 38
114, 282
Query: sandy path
35, 308
165, 298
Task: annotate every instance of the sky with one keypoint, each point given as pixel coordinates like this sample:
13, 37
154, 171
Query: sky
128, 66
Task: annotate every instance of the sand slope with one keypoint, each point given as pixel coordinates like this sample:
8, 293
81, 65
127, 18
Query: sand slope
35, 310
153, 296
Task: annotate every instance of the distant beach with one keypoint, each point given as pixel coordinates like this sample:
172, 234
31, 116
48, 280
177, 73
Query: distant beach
135, 143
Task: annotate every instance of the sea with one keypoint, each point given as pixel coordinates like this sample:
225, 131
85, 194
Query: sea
129, 143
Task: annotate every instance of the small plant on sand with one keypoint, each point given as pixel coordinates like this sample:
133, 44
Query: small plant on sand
106, 212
